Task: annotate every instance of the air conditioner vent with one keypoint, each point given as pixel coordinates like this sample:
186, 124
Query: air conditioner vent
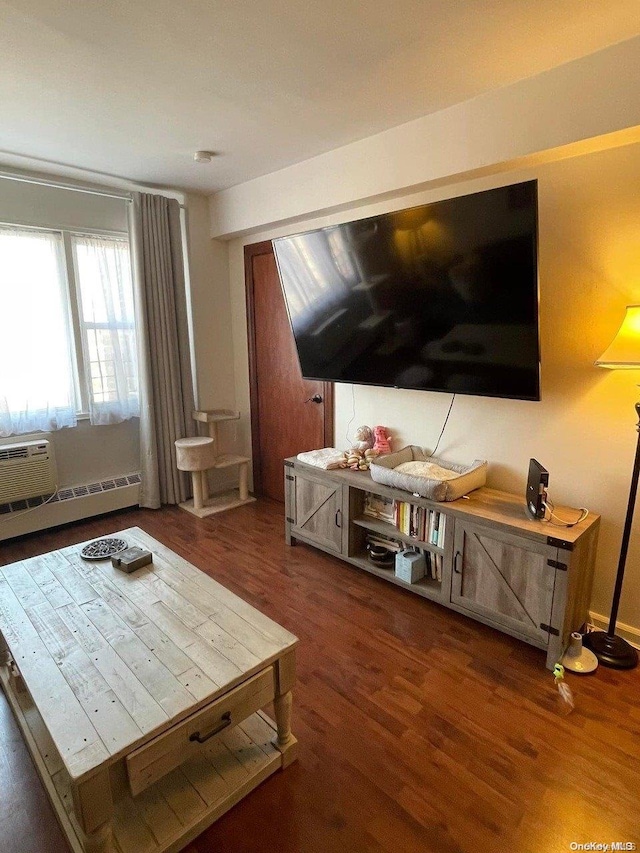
14, 453
27, 470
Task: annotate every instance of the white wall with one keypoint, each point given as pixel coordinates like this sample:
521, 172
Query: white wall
84, 453
211, 329
583, 429
210, 306
566, 108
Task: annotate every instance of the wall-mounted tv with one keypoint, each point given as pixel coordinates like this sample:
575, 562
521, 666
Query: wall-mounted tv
441, 297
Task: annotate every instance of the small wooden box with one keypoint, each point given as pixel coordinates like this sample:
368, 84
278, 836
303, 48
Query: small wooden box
410, 566
131, 559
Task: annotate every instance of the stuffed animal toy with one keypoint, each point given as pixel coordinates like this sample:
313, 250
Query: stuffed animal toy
342, 463
381, 435
364, 438
359, 460
369, 456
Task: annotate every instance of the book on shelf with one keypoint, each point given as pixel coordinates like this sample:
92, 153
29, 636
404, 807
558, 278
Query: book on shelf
434, 566
436, 527
418, 522
432, 527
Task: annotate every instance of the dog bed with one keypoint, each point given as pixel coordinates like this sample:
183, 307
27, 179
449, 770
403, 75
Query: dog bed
429, 476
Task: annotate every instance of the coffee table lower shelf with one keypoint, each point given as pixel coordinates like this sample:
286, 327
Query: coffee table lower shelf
172, 812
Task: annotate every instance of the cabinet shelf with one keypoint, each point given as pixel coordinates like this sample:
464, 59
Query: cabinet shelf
427, 587
387, 529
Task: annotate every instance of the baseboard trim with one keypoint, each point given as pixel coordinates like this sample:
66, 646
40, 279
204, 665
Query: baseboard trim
627, 632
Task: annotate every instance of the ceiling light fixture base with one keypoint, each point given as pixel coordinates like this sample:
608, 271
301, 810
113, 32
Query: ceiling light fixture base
204, 156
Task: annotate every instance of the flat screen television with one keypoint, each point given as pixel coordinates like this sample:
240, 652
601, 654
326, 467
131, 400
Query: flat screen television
441, 297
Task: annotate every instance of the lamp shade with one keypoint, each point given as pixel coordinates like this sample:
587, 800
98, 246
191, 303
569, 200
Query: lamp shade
624, 349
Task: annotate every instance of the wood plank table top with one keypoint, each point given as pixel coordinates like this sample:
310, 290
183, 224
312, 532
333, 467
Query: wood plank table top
112, 659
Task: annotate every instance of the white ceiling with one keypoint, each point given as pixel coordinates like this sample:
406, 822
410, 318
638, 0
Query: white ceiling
133, 87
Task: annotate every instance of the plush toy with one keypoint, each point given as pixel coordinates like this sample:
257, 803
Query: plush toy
364, 438
342, 462
369, 456
353, 459
381, 435
359, 460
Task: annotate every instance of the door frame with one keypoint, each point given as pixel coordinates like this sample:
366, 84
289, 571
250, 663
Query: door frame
265, 247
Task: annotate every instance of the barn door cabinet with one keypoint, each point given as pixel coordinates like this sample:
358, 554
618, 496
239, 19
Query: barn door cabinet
524, 577
314, 509
505, 580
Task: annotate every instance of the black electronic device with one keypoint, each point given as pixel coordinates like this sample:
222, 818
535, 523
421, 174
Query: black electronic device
441, 297
537, 483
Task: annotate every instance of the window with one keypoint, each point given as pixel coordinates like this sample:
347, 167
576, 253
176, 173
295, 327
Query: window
67, 330
106, 327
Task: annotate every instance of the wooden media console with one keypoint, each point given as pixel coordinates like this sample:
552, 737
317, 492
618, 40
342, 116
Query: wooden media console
526, 577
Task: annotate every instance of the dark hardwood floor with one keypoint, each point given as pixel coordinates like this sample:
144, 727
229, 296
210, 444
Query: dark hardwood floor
419, 729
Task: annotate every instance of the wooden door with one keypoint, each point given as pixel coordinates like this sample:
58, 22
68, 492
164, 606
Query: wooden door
505, 580
284, 420
317, 511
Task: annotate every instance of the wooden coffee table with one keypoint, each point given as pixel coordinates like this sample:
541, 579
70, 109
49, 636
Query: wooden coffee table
140, 696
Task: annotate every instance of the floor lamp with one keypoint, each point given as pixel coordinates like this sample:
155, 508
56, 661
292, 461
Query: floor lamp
623, 352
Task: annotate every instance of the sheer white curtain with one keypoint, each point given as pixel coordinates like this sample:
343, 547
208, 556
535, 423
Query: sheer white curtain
107, 328
37, 387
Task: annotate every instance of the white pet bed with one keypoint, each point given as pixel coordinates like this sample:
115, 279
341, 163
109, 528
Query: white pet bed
448, 485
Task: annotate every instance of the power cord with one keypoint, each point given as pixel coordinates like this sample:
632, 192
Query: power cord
353, 411
549, 505
444, 426
10, 515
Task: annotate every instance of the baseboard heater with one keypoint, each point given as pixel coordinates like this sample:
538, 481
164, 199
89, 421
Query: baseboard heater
28, 515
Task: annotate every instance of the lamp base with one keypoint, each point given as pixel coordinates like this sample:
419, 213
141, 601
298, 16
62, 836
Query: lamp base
611, 650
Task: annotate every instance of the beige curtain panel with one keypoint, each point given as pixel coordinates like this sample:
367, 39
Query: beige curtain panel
166, 388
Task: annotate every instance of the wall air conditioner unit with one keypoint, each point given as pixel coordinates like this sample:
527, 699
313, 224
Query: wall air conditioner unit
27, 470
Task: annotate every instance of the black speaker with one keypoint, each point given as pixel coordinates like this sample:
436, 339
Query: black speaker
536, 494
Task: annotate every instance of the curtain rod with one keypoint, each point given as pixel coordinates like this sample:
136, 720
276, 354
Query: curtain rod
41, 182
